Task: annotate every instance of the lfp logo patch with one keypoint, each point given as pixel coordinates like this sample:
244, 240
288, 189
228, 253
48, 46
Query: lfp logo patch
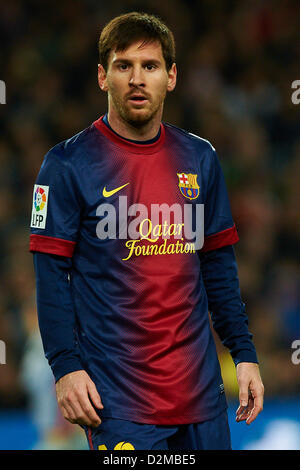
39, 206
188, 185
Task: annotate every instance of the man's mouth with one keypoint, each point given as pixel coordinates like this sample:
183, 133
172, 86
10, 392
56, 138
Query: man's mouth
138, 99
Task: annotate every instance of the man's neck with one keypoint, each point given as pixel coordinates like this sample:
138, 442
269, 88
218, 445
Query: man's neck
147, 132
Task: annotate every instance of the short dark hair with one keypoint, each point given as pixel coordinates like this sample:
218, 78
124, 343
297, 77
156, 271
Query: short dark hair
124, 30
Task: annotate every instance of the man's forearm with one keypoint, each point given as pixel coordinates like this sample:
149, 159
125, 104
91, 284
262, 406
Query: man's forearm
219, 272
56, 313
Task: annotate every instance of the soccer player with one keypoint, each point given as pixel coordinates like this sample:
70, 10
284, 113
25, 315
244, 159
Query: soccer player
132, 237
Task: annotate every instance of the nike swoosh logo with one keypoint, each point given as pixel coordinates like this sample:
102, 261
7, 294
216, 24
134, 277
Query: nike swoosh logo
113, 191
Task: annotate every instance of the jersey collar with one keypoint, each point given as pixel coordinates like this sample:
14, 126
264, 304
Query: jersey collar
143, 149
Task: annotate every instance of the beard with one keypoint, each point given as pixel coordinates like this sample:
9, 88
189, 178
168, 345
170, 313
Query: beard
137, 118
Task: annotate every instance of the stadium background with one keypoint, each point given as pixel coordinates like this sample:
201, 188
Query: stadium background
236, 61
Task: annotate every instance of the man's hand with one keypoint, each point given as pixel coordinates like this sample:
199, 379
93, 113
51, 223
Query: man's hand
251, 392
75, 394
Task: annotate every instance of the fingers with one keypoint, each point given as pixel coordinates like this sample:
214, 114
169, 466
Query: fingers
68, 414
255, 405
76, 405
243, 393
244, 411
251, 391
85, 410
258, 404
94, 395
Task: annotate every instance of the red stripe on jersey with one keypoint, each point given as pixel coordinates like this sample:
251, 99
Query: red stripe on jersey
90, 439
55, 246
217, 240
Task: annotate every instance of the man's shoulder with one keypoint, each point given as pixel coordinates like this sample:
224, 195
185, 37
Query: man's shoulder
70, 146
201, 143
72, 150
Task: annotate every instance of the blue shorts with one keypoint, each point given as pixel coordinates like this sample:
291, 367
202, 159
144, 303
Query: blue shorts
119, 434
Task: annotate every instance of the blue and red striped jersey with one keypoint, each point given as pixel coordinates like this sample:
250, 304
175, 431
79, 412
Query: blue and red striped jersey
134, 220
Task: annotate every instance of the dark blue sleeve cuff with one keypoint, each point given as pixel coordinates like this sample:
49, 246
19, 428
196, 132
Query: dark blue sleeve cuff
245, 356
64, 366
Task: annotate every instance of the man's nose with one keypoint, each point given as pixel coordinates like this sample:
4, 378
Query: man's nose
137, 76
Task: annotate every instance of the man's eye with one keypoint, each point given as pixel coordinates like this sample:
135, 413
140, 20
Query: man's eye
150, 66
123, 66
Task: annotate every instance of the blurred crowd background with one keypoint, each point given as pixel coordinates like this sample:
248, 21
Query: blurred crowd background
236, 62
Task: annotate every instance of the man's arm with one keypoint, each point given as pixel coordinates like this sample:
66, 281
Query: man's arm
75, 390
220, 276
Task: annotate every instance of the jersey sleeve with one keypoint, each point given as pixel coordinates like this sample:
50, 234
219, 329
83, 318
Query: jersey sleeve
56, 208
219, 227
56, 314
228, 311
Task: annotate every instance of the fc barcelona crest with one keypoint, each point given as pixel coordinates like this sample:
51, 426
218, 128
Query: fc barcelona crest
188, 185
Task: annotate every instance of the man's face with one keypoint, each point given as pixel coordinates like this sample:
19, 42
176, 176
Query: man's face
137, 82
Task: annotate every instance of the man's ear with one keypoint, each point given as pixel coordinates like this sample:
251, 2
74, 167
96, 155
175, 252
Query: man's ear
172, 77
102, 78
